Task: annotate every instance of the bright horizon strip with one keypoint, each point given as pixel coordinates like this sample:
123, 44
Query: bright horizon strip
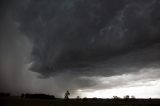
138, 92
147, 87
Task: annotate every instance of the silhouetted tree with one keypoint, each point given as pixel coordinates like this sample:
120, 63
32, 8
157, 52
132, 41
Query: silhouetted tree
116, 97
22, 95
78, 97
85, 99
126, 97
66, 96
133, 97
94, 98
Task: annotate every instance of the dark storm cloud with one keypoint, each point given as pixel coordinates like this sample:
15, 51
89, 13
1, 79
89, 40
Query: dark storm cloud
78, 36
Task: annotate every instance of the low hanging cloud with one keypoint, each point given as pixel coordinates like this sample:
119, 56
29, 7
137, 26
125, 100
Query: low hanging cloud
77, 35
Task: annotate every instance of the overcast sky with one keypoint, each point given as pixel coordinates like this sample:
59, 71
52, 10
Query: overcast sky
93, 48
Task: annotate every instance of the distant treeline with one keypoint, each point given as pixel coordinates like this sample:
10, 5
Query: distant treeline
37, 96
4, 94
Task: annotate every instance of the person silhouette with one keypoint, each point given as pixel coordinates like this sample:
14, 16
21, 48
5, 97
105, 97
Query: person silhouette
66, 96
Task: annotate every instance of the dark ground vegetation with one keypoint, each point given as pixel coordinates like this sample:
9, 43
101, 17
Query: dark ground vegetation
18, 101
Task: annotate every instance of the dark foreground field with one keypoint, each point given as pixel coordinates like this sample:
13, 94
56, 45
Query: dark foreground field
16, 101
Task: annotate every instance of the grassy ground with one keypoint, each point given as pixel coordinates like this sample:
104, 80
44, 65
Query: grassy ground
16, 101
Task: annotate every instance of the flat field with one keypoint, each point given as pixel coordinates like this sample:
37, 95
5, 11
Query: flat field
17, 101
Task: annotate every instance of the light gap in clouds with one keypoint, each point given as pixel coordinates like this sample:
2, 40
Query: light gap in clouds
141, 84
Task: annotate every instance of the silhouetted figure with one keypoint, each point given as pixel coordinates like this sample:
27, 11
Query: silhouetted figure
66, 96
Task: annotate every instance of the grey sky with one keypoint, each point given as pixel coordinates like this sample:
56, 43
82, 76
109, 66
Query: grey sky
69, 40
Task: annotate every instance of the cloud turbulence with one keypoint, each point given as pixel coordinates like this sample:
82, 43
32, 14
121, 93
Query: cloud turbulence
76, 35
87, 38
